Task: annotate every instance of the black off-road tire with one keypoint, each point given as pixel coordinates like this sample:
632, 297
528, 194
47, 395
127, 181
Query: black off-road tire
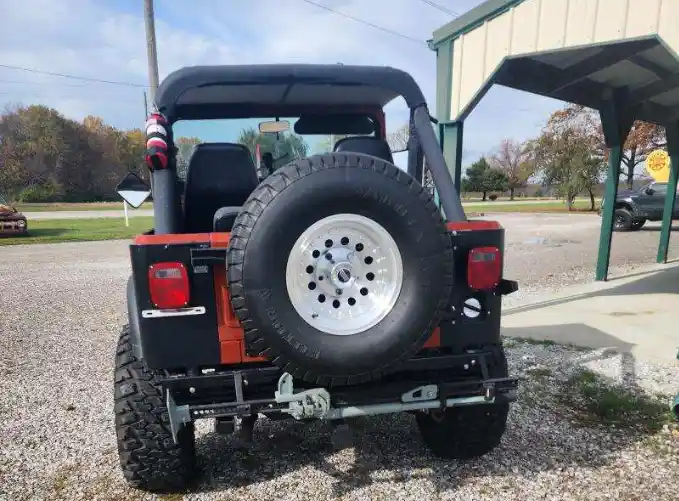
466, 432
149, 458
281, 209
622, 220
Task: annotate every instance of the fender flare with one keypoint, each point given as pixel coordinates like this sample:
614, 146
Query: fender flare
632, 208
133, 319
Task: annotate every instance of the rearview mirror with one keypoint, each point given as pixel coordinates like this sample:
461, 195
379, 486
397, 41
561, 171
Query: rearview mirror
274, 127
133, 190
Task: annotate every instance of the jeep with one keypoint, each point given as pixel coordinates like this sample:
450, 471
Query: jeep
329, 289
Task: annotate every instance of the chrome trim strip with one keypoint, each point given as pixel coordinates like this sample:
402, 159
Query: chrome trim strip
179, 312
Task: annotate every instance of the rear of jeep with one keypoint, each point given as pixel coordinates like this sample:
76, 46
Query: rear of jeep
331, 289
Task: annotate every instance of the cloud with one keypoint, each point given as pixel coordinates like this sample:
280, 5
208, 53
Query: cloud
106, 40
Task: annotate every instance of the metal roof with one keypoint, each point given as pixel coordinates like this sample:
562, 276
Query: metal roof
584, 52
644, 74
280, 89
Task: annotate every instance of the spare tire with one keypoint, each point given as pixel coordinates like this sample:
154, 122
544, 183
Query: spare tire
339, 268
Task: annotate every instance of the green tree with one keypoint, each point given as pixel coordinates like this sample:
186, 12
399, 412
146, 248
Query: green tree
481, 177
287, 147
642, 139
45, 157
185, 146
567, 156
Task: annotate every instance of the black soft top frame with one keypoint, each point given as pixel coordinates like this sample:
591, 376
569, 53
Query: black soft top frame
252, 91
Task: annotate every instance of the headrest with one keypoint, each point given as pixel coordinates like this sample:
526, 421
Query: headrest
366, 144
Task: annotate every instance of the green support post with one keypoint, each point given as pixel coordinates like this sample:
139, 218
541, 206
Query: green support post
666, 228
616, 126
451, 142
610, 193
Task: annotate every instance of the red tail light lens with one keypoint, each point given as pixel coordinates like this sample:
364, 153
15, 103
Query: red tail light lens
484, 268
169, 285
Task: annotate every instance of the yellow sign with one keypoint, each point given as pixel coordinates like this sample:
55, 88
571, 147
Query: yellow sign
658, 165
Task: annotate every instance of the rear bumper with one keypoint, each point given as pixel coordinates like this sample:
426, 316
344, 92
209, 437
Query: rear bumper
433, 382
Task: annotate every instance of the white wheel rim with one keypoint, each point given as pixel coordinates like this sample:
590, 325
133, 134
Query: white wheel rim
354, 293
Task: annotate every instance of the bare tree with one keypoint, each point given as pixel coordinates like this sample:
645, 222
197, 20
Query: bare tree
513, 159
399, 140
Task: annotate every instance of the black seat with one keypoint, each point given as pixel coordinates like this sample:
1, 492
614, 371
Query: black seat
220, 178
366, 144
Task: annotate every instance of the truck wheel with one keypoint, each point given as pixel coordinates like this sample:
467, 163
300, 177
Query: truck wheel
622, 220
149, 458
339, 268
637, 224
465, 432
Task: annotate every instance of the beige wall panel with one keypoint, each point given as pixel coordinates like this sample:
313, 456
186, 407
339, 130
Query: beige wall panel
611, 20
525, 32
669, 24
457, 76
642, 18
498, 42
581, 20
473, 59
552, 24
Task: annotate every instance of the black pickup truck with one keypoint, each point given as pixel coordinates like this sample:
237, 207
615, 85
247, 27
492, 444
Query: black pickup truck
634, 207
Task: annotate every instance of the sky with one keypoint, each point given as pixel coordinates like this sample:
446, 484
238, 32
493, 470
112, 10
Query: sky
104, 39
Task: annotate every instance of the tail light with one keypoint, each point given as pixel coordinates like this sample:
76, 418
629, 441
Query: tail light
484, 268
169, 285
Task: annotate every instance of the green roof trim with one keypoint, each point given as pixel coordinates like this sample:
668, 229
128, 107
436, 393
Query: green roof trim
470, 20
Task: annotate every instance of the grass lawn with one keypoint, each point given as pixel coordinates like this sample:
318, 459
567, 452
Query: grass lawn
547, 206
45, 207
74, 230
500, 205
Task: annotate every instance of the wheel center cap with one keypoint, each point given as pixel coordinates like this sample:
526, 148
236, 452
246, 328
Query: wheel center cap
344, 275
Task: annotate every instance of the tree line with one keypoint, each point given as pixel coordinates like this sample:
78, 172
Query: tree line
45, 157
569, 156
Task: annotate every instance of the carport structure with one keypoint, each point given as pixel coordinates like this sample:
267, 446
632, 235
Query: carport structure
620, 57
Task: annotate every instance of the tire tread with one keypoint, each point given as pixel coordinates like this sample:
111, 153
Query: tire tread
149, 458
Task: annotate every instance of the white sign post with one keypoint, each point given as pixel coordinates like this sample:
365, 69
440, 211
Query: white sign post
127, 221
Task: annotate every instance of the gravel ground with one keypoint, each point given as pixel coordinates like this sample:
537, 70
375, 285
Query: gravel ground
548, 252
57, 441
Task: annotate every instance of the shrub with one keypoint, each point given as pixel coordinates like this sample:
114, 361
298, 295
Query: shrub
47, 192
